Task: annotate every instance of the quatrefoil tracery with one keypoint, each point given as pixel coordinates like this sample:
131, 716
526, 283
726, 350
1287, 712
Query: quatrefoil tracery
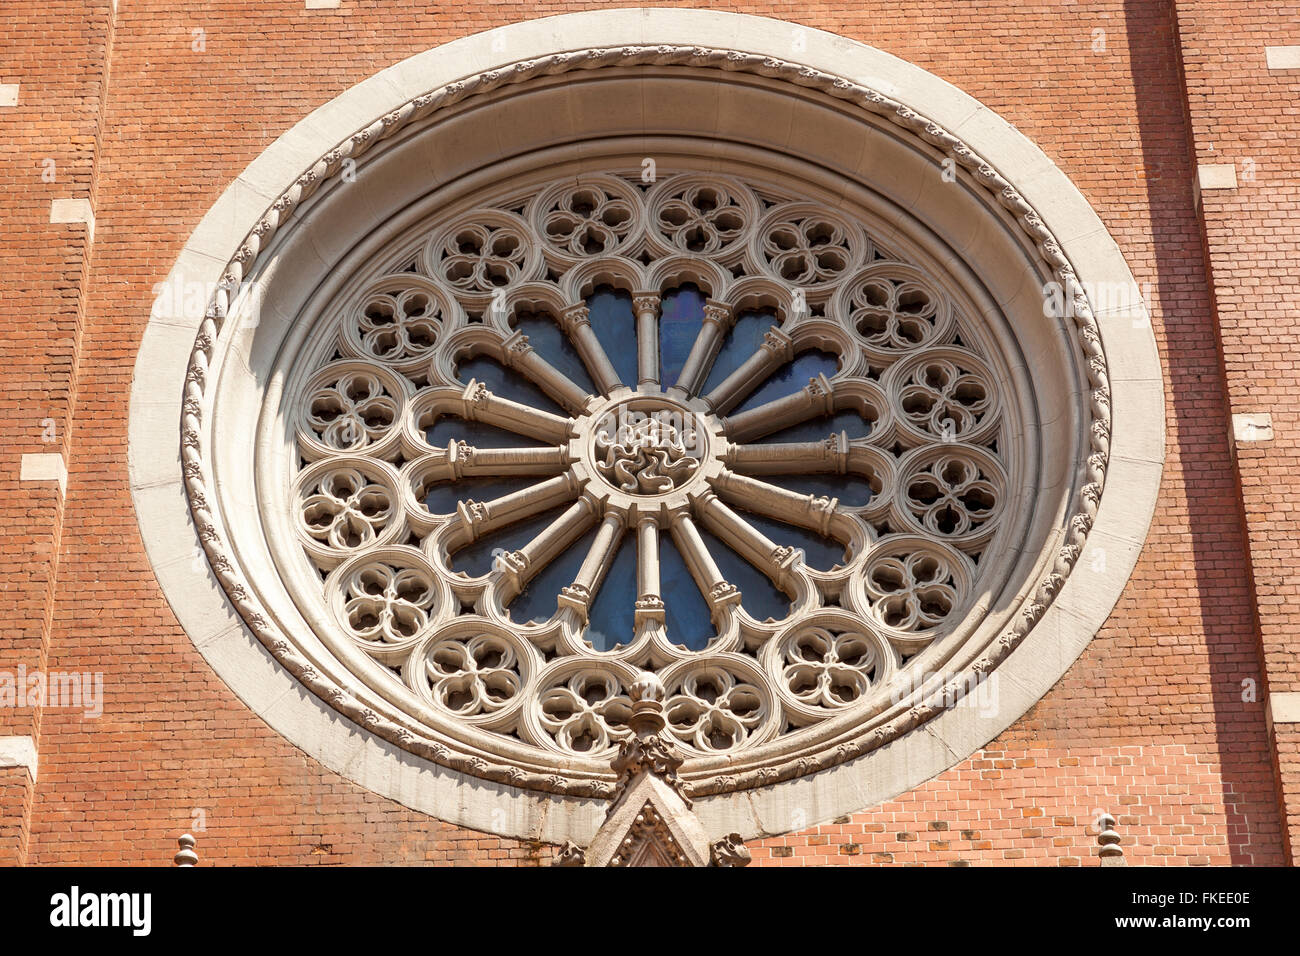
701, 471
347, 510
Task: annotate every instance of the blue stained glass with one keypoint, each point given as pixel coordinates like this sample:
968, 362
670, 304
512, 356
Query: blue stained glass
853, 492
741, 342
686, 613
815, 429
758, 595
441, 498
537, 601
821, 553
553, 345
789, 378
680, 319
507, 384
480, 435
476, 557
613, 613
614, 321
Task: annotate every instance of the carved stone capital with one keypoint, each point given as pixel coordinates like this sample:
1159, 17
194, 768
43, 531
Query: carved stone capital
779, 343
475, 396
472, 514
645, 302
823, 508
819, 389
784, 557
514, 349
574, 318
459, 454
514, 564
720, 315
723, 594
575, 597
650, 608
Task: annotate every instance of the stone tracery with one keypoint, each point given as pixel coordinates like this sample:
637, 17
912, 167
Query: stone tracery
684, 463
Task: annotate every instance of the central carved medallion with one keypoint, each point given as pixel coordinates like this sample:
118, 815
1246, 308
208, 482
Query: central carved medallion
647, 453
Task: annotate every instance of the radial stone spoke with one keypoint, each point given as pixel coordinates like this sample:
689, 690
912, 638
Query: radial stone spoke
718, 320
478, 518
515, 461
755, 547
776, 350
576, 322
582, 591
715, 588
649, 600
519, 567
814, 512
828, 456
463, 460
811, 401
518, 354
646, 305
481, 405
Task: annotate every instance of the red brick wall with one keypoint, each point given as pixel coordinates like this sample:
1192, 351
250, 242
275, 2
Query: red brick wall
1244, 114
15, 809
57, 53
1034, 807
1149, 724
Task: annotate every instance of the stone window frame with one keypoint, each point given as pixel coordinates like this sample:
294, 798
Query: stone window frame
247, 215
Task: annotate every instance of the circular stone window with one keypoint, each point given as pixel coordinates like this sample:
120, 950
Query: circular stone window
479, 428
704, 426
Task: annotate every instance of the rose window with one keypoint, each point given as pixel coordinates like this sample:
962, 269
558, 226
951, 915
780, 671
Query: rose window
705, 427
512, 386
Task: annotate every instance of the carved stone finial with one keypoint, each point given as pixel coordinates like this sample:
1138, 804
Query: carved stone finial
570, 854
650, 822
186, 856
1111, 853
647, 749
729, 851
648, 687
647, 718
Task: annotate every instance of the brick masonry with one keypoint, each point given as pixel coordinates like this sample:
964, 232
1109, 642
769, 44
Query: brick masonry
1243, 113
1154, 723
57, 54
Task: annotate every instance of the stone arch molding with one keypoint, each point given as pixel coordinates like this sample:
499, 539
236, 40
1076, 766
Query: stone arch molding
851, 126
